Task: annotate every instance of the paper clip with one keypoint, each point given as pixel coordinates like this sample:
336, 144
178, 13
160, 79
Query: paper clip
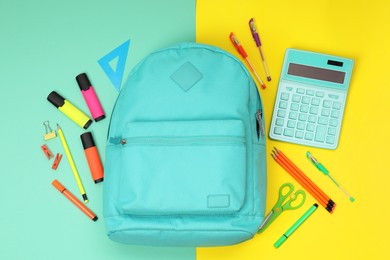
50, 134
57, 160
47, 152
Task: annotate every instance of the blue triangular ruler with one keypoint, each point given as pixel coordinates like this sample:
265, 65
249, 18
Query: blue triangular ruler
116, 75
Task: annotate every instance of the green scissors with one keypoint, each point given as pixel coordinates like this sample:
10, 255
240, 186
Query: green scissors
279, 208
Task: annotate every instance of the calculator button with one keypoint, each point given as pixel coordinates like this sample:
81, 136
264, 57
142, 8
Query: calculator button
327, 103
302, 117
279, 122
309, 136
310, 127
300, 91
288, 132
296, 98
293, 115
299, 134
312, 119
283, 104
325, 112
333, 96
305, 100
284, 96
335, 114
301, 125
281, 113
291, 124
333, 122
331, 131
278, 130
314, 110
323, 120
315, 101
320, 133
336, 105
319, 94
304, 108
294, 107
330, 139
289, 88
310, 92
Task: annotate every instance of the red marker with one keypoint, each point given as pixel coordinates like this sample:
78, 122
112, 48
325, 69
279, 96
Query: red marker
74, 200
243, 54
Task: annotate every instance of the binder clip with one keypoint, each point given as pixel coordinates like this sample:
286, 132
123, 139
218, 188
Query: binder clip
50, 134
57, 160
47, 152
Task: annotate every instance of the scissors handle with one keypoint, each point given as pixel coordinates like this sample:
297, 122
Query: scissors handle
288, 205
284, 192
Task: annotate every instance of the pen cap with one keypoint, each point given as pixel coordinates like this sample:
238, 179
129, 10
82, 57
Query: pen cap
87, 140
83, 81
58, 186
280, 241
56, 99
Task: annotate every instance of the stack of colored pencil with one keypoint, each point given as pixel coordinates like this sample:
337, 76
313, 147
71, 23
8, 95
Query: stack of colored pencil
306, 183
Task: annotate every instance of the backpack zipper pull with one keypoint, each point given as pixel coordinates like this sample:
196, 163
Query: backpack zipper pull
259, 119
117, 140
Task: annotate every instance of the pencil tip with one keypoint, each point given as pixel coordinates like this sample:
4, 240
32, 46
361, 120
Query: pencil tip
58, 126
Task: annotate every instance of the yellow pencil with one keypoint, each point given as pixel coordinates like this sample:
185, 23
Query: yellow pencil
72, 165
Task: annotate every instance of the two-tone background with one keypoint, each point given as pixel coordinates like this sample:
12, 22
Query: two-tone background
45, 44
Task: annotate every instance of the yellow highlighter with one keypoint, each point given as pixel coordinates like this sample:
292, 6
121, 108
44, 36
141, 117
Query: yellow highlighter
69, 110
72, 165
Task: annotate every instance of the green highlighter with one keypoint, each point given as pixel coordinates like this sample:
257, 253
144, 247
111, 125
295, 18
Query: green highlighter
296, 225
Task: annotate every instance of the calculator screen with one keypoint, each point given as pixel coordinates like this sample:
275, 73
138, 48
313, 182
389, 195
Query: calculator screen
316, 73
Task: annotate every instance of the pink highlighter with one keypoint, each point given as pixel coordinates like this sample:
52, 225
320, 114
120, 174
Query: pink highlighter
90, 97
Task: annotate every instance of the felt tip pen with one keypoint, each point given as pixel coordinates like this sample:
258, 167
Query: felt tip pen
90, 97
296, 225
74, 200
69, 110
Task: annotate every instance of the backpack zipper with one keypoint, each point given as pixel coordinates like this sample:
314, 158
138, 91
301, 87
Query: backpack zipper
178, 140
259, 125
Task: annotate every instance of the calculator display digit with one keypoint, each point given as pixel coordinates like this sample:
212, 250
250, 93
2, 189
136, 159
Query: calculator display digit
316, 73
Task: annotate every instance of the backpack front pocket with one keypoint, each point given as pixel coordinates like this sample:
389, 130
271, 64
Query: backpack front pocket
182, 167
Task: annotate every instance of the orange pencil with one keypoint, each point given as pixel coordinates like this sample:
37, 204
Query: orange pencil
330, 203
298, 178
74, 200
305, 182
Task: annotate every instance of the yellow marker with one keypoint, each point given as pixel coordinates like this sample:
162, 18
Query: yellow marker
69, 110
72, 165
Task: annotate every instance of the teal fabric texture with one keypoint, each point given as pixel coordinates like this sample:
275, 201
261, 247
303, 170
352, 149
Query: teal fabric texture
185, 160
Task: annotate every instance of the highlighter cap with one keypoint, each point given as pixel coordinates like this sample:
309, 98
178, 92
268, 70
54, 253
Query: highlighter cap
83, 81
87, 140
58, 186
56, 99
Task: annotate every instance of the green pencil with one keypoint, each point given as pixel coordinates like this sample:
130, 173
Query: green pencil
296, 225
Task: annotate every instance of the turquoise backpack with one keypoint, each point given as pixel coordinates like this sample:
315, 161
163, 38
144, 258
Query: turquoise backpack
185, 157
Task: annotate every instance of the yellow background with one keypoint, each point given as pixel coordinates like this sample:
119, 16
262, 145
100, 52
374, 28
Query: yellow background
352, 29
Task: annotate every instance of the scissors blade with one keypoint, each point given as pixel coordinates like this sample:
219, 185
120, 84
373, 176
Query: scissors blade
265, 221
